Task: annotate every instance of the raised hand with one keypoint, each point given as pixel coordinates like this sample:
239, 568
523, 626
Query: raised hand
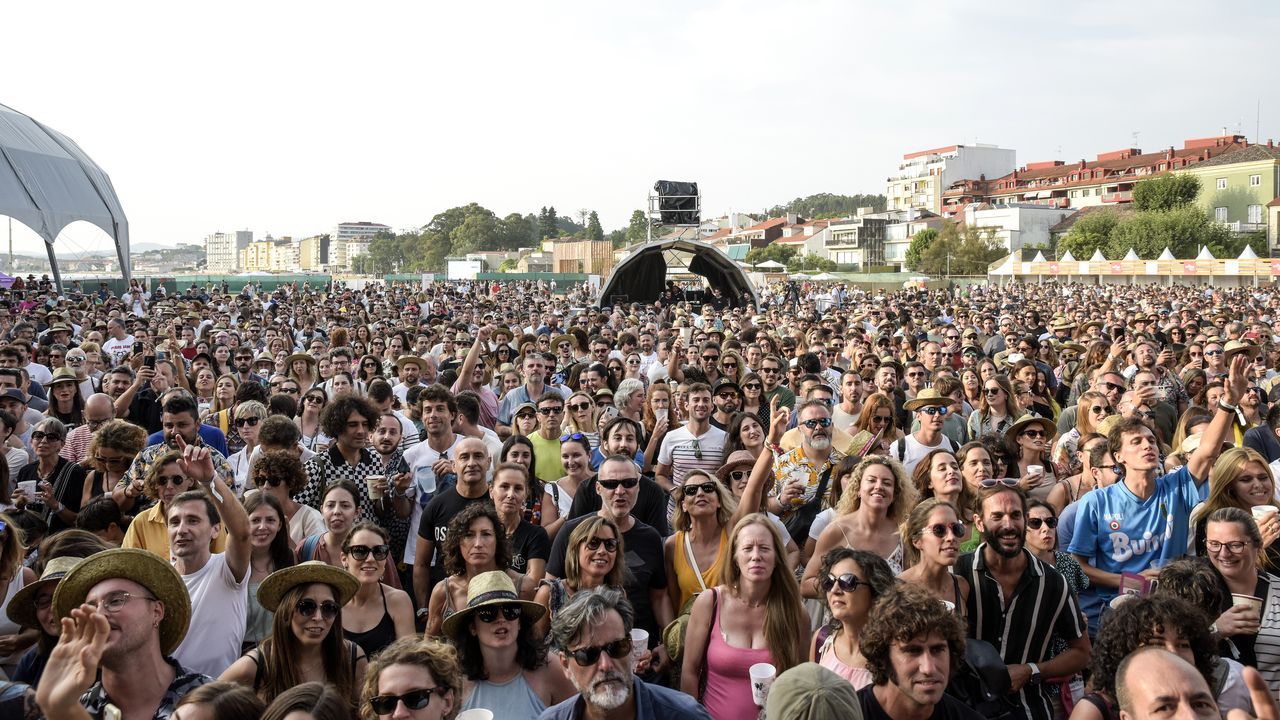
196, 461
73, 664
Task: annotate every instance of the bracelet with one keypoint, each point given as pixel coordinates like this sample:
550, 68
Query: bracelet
1224, 405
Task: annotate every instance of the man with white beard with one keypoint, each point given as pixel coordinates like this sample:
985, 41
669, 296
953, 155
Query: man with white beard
593, 636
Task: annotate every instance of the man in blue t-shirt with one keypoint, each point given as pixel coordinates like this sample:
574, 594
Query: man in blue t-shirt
1143, 520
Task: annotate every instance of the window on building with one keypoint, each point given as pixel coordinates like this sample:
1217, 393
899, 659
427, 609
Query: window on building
1255, 214
1222, 183
1255, 180
1220, 214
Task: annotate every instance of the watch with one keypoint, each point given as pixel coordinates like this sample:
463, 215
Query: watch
1035, 674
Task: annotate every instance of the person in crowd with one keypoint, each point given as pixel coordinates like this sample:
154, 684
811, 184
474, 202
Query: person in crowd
350, 421
938, 475
15, 637
1026, 442
931, 409
999, 408
575, 458
694, 555
271, 550
1250, 630
932, 534
696, 445
377, 614
111, 448
530, 545
1241, 478
592, 638
420, 676
59, 482
471, 464
751, 617
247, 418
852, 582
306, 642
280, 474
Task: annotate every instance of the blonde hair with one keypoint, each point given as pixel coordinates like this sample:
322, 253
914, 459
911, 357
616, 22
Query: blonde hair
904, 493
783, 606
680, 518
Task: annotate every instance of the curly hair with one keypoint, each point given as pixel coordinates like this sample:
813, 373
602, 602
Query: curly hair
1140, 621
1197, 580
454, 563
904, 493
438, 658
274, 467
907, 611
333, 419
118, 435
149, 483
875, 570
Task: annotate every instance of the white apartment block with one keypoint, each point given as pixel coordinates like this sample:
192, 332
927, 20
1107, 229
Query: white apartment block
923, 176
222, 250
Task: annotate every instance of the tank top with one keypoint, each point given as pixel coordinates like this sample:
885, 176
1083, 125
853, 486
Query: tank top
728, 693
858, 677
257, 619
7, 626
511, 699
686, 578
379, 636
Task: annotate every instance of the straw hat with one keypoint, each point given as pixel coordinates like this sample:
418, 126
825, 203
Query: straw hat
490, 588
1016, 429
736, 459
1235, 347
307, 357
410, 360
141, 566
278, 583
22, 606
573, 341
63, 374
929, 397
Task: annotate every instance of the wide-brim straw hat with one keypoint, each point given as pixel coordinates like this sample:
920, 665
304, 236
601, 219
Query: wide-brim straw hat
573, 342
22, 606
141, 566
926, 398
1236, 347
491, 588
410, 360
307, 357
1016, 429
62, 375
278, 583
736, 459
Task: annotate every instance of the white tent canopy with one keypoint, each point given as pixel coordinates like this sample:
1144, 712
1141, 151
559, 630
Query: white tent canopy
1068, 257
1097, 256
1205, 254
47, 182
1039, 257
1248, 253
826, 276
799, 276
770, 264
1167, 254
1131, 255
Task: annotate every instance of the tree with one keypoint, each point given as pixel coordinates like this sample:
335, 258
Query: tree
1166, 192
638, 228
961, 250
384, 254
547, 225
594, 231
919, 243
508, 265
516, 231
772, 251
827, 205
1183, 230
478, 231
799, 263
1090, 232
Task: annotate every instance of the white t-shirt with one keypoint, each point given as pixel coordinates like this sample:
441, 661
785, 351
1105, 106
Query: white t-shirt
307, 521
218, 609
118, 349
420, 458
915, 450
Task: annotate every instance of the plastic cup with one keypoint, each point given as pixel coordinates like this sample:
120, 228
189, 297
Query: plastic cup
1247, 600
639, 643
762, 675
28, 487
1261, 511
1121, 599
475, 714
1035, 470
375, 493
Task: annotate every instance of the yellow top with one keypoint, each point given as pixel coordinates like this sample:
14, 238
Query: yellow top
149, 531
685, 577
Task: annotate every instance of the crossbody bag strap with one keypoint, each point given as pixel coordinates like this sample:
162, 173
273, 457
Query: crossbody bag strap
693, 562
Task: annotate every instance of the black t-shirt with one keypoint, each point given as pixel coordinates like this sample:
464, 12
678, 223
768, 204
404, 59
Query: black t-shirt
646, 568
435, 523
948, 709
70, 475
650, 509
528, 542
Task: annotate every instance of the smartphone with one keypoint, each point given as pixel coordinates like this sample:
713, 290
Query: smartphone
686, 333
149, 361
137, 348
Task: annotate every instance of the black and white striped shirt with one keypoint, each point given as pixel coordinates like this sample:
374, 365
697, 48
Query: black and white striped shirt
1022, 627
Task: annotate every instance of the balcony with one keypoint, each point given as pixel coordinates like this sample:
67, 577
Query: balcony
1118, 197
1244, 228
845, 240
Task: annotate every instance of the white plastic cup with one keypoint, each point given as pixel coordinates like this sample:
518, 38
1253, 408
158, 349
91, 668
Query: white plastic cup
28, 488
1261, 511
475, 714
639, 643
373, 481
1248, 601
1035, 470
762, 675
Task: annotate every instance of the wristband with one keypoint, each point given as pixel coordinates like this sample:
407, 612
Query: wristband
1224, 405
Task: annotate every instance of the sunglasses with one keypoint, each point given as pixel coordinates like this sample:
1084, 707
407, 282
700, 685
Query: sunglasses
307, 607
313, 399
752, 386
50, 436
935, 410
414, 700
881, 420
707, 487
847, 582
1100, 410
1037, 434
628, 483
817, 423
551, 410
588, 656
737, 475
1049, 522
526, 415
489, 613
939, 530
610, 545
579, 407
992, 482
361, 552
250, 421
993, 391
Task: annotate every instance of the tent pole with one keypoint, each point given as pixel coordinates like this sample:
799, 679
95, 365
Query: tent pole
125, 270
53, 263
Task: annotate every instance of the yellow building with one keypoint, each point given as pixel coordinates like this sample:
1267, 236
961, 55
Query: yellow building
593, 257
256, 256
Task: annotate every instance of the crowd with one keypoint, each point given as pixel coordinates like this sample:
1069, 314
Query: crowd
1030, 502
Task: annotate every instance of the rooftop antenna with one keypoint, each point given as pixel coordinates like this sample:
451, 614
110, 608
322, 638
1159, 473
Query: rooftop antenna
1135, 135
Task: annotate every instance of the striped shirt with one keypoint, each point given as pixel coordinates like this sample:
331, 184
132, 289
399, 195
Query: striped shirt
1023, 628
1262, 651
683, 452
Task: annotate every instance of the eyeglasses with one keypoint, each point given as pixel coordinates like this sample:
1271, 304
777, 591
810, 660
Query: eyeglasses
250, 421
588, 656
1036, 523
939, 530
551, 410
848, 582
609, 544
817, 423
115, 602
117, 461
707, 487
361, 552
174, 480
935, 410
989, 483
307, 607
627, 483
37, 435
1235, 548
413, 700
1036, 434
489, 613
1100, 410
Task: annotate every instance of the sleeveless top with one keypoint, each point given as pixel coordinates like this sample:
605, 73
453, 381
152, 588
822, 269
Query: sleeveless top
895, 558
257, 618
858, 677
7, 626
512, 699
728, 693
686, 578
379, 636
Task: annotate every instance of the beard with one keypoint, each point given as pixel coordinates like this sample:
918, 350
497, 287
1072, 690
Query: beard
819, 443
607, 697
992, 538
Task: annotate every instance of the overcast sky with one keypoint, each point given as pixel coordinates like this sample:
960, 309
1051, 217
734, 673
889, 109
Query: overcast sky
289, 117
